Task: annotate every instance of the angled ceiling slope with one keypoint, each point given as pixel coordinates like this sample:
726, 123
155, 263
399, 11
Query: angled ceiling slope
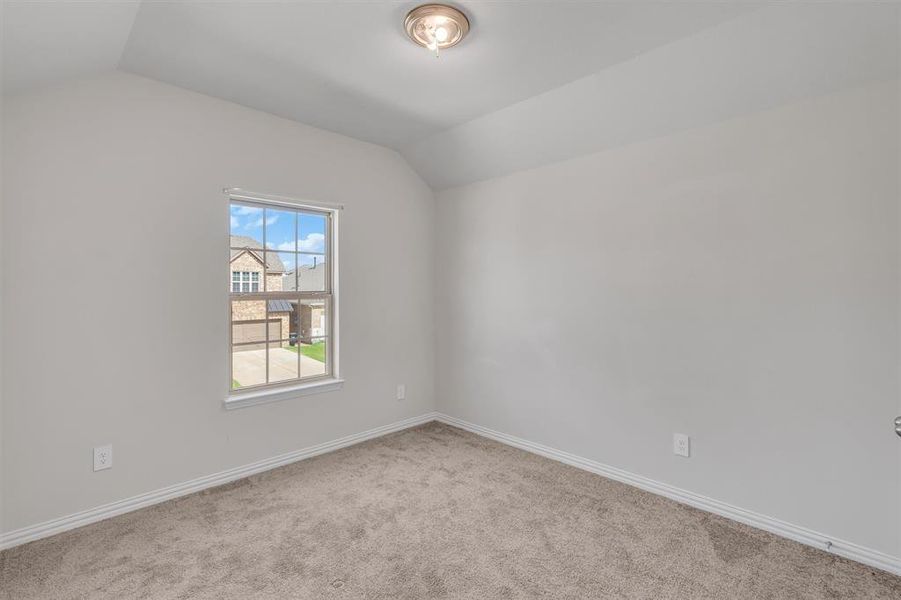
349, 67
47, 42
342, 66
759, 61
534, 82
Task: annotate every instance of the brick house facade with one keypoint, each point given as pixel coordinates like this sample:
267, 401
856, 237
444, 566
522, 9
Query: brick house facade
249, 316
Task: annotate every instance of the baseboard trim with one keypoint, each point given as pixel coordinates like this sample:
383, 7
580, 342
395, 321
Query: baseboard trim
86, 517
850, 550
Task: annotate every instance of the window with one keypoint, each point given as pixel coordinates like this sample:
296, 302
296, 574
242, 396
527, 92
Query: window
282, 296
245, 281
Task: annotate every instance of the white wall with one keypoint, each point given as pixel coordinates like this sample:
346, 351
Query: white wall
1, 265
123, 175
738, 283
899, 280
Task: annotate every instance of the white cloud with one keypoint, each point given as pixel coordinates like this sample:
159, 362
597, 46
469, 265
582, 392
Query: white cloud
314, 242
249, 217
245, 210
259, 222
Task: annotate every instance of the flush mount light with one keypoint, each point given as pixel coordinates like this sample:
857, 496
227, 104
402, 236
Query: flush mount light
436, 26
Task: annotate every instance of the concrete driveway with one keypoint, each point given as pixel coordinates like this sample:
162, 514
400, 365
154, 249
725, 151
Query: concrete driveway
249, 366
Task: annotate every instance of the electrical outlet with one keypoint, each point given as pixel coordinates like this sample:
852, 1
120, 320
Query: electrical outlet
103, 457
681, 445
401, 391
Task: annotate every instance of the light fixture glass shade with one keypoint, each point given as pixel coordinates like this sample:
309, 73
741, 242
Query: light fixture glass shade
436, 26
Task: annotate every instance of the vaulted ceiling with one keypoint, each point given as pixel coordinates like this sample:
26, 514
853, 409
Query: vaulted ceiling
534, 82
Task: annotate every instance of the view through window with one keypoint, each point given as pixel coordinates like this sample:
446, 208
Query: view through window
280, 283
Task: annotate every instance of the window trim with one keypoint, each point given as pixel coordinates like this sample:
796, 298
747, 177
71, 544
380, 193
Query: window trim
273, 392
283, 392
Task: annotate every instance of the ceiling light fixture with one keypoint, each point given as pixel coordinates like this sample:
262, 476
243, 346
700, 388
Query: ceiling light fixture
436, 26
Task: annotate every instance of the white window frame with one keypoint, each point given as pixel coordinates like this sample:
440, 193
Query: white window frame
273, 392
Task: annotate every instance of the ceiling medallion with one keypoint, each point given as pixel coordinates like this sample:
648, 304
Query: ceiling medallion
436, 26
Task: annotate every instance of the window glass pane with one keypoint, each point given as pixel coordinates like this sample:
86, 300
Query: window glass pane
312, 272
246, 265
283, 362
248, 330
313, 357
248, 367
313, 318
278, 325
311, 233
248, 317
282, 271
281, 230
246, 226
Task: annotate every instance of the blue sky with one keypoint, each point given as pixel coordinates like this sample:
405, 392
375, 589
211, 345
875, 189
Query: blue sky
280, 230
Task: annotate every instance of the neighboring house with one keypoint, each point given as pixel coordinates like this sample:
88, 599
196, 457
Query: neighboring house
311, 278
249, 319
249, 316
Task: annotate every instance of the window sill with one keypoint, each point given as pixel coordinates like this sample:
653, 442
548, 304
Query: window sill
244, 400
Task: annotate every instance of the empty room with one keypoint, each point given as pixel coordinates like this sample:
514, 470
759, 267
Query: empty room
482, 300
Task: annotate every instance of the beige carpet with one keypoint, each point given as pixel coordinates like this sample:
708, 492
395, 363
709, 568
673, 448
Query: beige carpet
431, 512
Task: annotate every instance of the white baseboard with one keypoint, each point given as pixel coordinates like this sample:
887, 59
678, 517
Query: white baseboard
803, 535
867, 556
86, 517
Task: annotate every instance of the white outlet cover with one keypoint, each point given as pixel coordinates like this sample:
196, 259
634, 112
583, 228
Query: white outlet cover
401, 391
103, 457
681, 444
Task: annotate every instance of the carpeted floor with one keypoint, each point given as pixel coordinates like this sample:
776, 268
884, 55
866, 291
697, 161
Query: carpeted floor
431, 512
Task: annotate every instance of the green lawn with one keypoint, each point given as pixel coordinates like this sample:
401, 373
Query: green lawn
315, 351
235, 384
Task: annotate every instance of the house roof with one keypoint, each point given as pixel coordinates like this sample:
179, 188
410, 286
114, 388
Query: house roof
280, 306
249, 244
312, 279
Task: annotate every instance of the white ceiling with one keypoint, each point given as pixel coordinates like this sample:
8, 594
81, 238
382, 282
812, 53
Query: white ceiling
761, 60
348, 67
344, 66
45, 42
534, 82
